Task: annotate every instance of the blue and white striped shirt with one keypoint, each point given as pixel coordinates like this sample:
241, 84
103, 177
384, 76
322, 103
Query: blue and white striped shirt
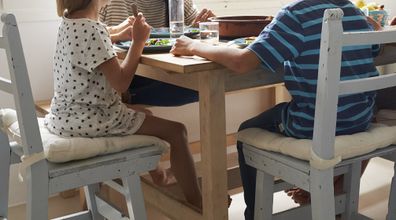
293, 40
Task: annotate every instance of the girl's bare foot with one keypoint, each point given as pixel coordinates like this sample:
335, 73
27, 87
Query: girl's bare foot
163, 177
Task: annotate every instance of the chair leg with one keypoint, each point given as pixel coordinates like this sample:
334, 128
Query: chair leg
322, 194
264, 196
392, 197
134, 197
351, 188
5, 152
90, 193
37, 182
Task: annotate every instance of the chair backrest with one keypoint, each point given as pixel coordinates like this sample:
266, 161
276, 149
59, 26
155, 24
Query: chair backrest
19, 86
329, 86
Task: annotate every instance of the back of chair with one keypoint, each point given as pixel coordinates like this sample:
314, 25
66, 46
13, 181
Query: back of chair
329, 86
19, 86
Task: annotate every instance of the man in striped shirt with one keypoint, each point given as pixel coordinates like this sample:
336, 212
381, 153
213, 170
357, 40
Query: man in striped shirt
155, 12
144, 90
292, 40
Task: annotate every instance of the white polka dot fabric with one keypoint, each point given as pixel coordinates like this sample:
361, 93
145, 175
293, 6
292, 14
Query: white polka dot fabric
84, 103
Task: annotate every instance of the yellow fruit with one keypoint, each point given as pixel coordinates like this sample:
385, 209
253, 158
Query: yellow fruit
372, 6
360, 3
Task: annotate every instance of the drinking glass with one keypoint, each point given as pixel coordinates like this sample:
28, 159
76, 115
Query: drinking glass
209, 32
176, 18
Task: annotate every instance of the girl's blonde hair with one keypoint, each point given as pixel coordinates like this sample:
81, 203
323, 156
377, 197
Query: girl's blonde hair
66, 7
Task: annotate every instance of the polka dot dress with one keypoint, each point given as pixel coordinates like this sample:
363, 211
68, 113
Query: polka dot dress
84, 103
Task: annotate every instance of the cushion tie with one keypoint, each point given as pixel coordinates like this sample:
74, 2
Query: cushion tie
322, 164
28, 161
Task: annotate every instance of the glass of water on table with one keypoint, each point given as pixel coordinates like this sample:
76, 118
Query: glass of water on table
176, 19
209, 32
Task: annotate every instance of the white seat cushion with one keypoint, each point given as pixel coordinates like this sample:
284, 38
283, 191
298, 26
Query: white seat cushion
346, 146
62, 149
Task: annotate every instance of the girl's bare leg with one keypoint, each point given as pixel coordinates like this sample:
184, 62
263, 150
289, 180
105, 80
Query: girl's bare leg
140, 108
181, 160
163, 177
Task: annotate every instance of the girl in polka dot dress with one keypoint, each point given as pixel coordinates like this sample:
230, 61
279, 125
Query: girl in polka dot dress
88, 79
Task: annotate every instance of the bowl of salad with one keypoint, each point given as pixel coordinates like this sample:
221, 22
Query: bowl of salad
152, 45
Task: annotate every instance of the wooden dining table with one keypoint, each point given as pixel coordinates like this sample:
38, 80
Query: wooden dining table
212, 81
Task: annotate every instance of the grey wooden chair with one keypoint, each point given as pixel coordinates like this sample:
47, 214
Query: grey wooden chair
44, 178
307, 175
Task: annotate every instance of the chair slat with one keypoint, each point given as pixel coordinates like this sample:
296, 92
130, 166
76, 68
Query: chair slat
367, 84
5, 85
3, 42
369, 37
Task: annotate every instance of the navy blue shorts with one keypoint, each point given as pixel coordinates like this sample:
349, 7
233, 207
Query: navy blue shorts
156, 93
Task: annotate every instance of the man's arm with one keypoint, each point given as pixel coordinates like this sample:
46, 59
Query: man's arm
190, 12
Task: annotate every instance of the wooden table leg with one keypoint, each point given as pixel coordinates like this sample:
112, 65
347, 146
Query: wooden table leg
213, 140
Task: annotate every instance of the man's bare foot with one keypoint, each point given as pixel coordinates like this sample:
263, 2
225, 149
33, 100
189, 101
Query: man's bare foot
299, 196
163, 177
303, 197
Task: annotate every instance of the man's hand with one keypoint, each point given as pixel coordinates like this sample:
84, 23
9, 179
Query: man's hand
124, 35
183, 47
202, 17
121, 27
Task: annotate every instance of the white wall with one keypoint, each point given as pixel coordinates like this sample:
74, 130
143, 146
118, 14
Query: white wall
242, 7
262, 7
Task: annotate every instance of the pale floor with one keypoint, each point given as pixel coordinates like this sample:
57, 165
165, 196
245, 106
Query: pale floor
373, 198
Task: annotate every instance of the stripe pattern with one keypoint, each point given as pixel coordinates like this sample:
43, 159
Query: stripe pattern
293, 40
155, 12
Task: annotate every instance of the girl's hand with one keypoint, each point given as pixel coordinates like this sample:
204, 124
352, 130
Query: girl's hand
141, 30
393, 22
183, 47
202, 17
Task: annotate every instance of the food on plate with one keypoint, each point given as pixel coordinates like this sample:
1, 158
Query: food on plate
249, 40
193, 30
157, 42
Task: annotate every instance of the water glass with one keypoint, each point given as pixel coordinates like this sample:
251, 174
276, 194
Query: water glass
176, 18
209, 32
